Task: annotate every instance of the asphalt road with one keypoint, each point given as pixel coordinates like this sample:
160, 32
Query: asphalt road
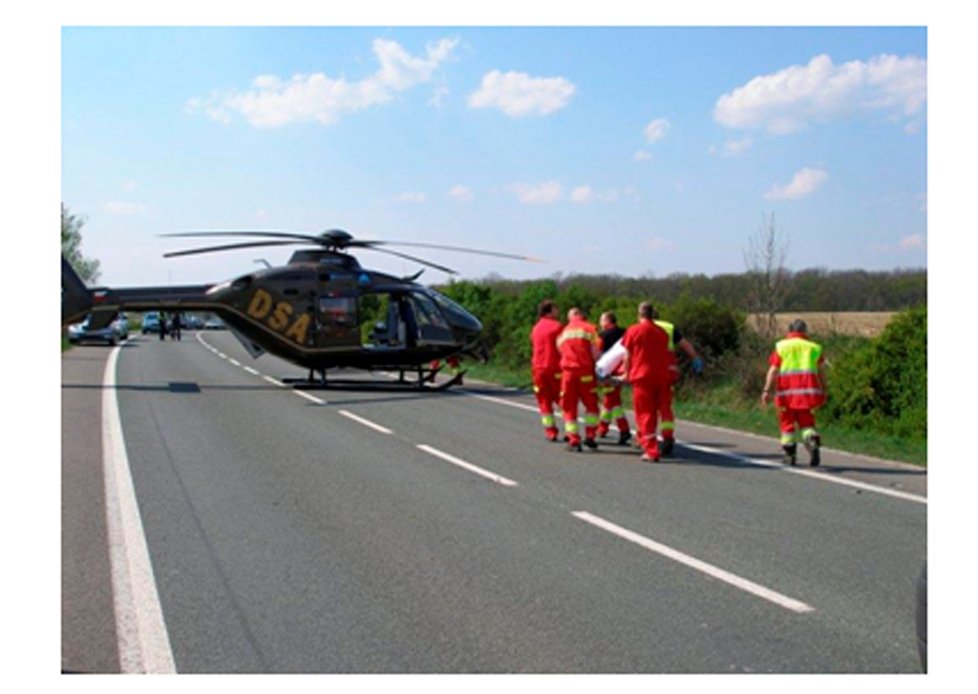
361, 531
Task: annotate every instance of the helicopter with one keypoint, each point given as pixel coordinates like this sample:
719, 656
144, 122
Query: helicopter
320, 311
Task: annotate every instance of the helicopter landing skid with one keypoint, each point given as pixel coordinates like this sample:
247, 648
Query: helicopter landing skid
424, 381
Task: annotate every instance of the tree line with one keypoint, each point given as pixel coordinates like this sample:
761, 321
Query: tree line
814, 289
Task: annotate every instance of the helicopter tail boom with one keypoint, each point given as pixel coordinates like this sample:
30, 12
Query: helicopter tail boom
104, 303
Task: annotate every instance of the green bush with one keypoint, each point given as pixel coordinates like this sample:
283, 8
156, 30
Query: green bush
883, 384
713, 329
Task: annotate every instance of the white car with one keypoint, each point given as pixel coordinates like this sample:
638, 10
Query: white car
114, 332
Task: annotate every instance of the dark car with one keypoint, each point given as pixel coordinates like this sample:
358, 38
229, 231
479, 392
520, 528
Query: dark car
114, 332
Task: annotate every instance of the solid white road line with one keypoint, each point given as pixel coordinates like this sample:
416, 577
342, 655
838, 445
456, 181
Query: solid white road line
365, 422
710, 570
274, 381
895, 493
498, 479
144, 645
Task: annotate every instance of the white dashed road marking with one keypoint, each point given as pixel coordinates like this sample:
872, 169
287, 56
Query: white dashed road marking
710, 570
365, 422
498, 479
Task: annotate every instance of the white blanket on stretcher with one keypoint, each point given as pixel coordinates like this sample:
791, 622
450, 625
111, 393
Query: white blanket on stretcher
610, 361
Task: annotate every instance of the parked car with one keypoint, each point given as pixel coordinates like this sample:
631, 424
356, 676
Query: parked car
121, 324
151, 322
214, 323
114, 332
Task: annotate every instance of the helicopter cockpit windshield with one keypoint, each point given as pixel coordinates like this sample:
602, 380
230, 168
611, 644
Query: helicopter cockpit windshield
413, 318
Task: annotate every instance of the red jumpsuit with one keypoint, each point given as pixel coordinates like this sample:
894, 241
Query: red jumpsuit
611, 404
649, 374
799, 388
545, 367
577, 344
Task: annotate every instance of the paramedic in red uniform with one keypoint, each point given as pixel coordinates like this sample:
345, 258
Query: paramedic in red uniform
667, 420
579, 347
647, 368
797, 367
611, 406
545, 364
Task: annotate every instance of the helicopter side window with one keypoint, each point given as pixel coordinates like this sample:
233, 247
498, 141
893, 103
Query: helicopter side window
338, 323
427, 312
431, 324
338, 311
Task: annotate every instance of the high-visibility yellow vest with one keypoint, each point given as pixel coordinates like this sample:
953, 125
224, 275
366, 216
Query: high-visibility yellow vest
669, 328
799, 386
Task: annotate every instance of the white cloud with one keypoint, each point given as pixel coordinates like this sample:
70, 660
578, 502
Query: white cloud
582, 194
913, 243
585, 194
462, 193
656, 130
124, 208
518, 94
642, 155
411, 197
657, 243
538, 193
275, 102
128, 185
438, 97
805, 182
794, 97
733, 148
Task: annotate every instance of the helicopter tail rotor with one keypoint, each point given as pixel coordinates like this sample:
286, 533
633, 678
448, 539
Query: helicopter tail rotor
76, 298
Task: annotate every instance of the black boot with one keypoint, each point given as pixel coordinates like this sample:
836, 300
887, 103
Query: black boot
814, 445
790, 454
667, 444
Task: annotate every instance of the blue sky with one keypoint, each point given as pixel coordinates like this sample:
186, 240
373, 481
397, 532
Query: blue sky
629, 150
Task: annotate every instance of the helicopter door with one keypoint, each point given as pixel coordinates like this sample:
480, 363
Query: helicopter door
432, 328
338, 323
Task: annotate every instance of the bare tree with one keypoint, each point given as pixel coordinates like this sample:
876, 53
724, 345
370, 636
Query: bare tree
767, 276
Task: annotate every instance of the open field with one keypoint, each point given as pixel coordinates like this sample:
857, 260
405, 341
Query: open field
861, 323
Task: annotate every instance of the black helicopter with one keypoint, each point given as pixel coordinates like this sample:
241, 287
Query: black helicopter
320, 311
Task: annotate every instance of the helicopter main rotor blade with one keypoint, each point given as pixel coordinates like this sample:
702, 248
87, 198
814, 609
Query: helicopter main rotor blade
458, 249
336, 239
252, 233
411, 257
229, 247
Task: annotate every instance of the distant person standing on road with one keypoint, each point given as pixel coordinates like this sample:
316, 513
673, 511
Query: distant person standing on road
177, 324
611, 405
162, 326
647, 367
545, 364
580, 348
797, 369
